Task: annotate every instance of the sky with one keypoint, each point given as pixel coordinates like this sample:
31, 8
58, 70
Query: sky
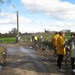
38, 15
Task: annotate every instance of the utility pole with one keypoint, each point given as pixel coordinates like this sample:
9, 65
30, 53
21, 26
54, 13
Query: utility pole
17, 26
17, 36
0, 12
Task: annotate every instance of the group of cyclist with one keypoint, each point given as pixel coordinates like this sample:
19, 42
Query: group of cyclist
60, 47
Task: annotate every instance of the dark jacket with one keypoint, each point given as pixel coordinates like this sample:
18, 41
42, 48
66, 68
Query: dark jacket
71, 44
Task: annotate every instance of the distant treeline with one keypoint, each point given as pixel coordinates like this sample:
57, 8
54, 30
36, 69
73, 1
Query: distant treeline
5, 35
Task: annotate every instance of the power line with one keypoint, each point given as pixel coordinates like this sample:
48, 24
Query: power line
48, 11
43, 11
38, 12
6, 15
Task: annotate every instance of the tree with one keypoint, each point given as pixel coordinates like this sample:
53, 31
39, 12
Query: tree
14, 31
3, 1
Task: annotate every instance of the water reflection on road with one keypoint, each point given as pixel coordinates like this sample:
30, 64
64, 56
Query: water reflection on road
41, 66
29, 52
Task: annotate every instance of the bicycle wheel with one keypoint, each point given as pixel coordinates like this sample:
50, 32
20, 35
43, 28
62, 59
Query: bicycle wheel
67, 61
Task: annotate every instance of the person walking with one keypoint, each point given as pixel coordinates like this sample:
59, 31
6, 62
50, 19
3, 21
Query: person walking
71, 46
61, 50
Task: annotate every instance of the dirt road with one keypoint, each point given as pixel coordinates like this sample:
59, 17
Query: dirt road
24, 60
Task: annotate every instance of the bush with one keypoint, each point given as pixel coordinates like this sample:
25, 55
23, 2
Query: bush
48, 43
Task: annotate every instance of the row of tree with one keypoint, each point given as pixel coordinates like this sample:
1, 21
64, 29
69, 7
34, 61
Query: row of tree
13, 33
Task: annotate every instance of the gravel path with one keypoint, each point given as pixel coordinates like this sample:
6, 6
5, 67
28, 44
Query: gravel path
22, 60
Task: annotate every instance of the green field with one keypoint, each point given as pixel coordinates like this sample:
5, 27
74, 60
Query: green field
8, 40
26, 38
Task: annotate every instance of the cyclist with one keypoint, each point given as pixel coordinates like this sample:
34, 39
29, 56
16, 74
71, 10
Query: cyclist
71, 44
36, 41
61, 50
54, 42
40, 41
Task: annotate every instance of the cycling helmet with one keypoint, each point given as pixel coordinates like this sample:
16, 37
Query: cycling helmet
73, 34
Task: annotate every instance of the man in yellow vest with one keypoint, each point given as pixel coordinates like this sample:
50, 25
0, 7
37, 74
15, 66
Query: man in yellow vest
36, 40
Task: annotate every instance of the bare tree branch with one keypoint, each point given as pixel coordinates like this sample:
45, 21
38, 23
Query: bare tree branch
8, 1
3, 1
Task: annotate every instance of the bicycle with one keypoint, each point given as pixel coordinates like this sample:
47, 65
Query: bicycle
67, 59
44, 48
36, 46
53, 55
